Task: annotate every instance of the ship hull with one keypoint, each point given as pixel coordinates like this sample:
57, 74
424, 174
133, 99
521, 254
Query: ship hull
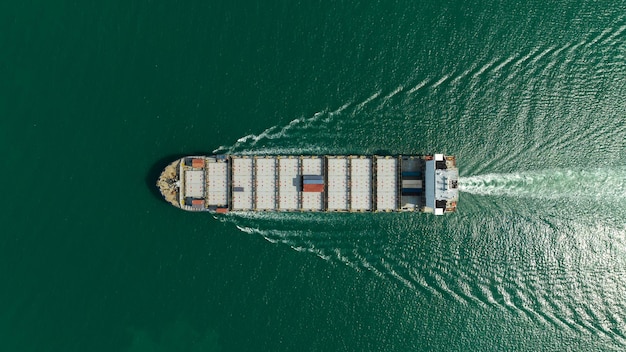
330, 183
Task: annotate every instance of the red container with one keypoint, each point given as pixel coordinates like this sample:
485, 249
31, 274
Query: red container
197, 202
221, 210
197, 163
312, 187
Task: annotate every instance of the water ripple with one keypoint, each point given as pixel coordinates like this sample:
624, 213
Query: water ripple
519, 243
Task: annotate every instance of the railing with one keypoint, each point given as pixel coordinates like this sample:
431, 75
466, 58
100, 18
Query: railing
229, 185
253, 192
300, 170
325, 174
349, 183
276, 182
399, 184
374, 185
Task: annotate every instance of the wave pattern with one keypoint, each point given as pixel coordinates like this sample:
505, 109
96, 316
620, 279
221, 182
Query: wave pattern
519, 243
543, 279
531, 88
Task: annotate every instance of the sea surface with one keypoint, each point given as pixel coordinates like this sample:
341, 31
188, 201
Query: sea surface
96, 97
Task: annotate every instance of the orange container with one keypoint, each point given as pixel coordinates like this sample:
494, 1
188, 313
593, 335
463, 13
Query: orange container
197, 202
312, 187
221, 210
197, 163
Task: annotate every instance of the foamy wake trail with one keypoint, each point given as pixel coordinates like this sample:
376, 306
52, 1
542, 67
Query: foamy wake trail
599, 184
334, 238
324, 245
276, 132
329, 237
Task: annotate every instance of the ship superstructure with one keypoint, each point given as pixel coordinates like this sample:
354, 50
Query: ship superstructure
329, 183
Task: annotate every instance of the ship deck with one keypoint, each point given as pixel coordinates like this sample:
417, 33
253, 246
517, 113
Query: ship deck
303, 183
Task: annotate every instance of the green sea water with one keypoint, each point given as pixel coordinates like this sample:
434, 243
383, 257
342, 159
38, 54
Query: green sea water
96, 97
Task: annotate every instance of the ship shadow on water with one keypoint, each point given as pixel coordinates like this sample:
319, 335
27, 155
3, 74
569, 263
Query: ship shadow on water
155, 171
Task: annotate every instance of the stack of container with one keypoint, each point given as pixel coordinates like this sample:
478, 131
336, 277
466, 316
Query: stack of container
312, 183
197, 163
197, 203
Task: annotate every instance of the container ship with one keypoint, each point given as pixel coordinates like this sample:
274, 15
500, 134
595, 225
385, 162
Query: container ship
297, 183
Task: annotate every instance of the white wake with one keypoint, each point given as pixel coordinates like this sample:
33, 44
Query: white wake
599, 184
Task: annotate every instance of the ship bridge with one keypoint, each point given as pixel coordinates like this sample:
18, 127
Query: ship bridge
442, 184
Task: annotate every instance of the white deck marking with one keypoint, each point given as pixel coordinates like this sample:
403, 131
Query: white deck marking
287, 190
217, 182
242, 178
361, 184
194, 183
337, 184
265, 183
386, 183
